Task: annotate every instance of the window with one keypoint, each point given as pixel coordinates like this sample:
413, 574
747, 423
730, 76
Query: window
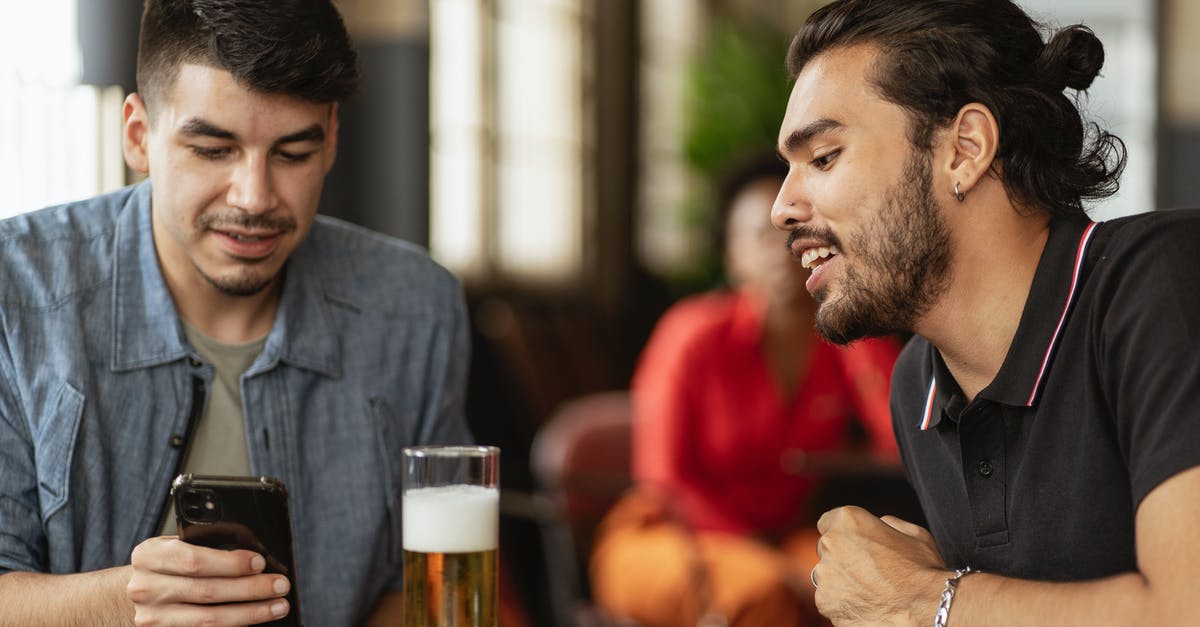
1123, 99
508, 139
62, 140
672, 32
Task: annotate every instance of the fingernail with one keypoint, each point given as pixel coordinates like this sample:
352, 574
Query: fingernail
279, 609
257, 563
281, 585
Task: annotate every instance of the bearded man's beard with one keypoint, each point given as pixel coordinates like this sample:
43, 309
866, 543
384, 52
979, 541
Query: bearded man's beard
901, 263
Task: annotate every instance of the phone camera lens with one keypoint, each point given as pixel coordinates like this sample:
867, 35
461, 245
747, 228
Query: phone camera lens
199, 506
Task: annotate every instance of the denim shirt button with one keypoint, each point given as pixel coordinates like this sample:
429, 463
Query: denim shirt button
176, 441
195, 363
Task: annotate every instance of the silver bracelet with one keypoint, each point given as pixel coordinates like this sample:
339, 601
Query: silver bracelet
943, 612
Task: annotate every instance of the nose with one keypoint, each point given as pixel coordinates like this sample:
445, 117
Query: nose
251, 189
790, 208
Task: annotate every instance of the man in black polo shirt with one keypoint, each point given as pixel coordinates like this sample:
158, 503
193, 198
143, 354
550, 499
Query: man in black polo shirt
1047, 410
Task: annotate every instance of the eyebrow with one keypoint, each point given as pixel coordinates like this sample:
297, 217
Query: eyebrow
313, 133
198, 126
802, 136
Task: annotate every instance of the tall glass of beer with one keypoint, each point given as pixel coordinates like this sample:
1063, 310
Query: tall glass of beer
451, 519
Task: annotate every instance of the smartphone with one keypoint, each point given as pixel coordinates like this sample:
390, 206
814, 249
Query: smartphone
240, 513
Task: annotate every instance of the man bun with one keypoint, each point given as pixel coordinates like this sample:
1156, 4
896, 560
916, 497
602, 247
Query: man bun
1071, 59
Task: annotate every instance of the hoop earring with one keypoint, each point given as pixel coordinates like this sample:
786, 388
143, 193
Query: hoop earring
958, 194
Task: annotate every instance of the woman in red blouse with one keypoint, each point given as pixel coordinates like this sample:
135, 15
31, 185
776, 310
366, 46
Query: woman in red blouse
733, 389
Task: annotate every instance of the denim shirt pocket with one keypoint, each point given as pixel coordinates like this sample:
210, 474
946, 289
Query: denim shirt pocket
388, 425
54, 447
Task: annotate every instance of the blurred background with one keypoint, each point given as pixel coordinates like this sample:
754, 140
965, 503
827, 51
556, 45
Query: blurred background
560, 156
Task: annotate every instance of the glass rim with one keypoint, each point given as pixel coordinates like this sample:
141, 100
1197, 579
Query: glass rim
452, 451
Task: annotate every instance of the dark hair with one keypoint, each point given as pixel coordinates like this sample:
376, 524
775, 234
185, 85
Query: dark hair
938, 55
294, 47
737, 177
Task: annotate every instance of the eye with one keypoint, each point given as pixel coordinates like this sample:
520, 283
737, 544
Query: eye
294, 157
824, 161
211, 153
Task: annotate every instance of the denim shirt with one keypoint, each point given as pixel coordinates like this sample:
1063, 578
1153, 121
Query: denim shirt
368, 353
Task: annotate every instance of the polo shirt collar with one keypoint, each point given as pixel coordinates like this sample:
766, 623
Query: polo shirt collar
302, 334
1054, 290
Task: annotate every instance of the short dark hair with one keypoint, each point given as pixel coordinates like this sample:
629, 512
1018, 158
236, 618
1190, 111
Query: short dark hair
938, 55
294, 47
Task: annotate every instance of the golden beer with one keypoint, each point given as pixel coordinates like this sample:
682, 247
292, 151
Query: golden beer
451, 540
450, 589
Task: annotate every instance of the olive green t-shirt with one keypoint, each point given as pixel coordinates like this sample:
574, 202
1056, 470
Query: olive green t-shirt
218, 444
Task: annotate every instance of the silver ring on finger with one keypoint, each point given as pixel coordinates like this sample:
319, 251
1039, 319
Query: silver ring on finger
812, 576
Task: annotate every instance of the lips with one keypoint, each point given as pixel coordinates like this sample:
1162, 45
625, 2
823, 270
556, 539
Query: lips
816, 255
818, 279
248, 245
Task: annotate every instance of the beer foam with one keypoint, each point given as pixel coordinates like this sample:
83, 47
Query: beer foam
451, 519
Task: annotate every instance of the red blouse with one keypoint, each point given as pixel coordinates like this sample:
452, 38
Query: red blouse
712, 427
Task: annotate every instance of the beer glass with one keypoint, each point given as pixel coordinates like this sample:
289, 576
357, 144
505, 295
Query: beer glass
450, 518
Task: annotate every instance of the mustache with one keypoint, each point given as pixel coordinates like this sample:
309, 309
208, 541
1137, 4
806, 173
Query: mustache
805, 231
247, 222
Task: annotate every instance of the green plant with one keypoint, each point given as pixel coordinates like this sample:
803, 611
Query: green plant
737, 91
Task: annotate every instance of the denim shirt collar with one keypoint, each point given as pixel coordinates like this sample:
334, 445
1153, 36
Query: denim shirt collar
302, 335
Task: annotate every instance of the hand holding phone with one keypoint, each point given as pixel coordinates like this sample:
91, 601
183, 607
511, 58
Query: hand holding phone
176, 583
246, 513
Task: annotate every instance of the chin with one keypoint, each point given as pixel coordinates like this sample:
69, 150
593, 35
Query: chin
843, 325
241, 285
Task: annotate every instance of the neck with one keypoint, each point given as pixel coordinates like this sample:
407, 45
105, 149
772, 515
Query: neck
787, 322
220, 316
787, 337
230, 319
996, 253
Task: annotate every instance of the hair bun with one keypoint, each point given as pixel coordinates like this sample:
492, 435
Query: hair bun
1072, 58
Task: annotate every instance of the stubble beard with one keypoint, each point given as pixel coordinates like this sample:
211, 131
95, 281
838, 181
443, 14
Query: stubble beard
246, 282
904, 258
239, 286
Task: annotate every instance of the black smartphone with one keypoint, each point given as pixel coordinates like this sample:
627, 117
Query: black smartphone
240, 513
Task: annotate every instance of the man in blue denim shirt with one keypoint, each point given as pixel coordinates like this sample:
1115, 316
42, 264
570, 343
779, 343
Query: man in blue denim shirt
363, 342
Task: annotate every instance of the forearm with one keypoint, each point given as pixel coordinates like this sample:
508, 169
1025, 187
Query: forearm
985, 600
40, 600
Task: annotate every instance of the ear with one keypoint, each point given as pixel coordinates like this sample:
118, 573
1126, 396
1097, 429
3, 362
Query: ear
331, 138
970, 148
137, 134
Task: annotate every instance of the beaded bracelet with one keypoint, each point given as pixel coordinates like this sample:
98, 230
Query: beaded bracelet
943, 612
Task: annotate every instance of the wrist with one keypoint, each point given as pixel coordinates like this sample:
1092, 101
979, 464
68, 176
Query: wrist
119, 580
927, 596
941, 617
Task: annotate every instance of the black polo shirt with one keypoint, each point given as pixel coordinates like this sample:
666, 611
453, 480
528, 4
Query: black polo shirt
1097, 403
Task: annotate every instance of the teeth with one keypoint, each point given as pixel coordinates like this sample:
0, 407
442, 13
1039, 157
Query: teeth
812, 254
242, 238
